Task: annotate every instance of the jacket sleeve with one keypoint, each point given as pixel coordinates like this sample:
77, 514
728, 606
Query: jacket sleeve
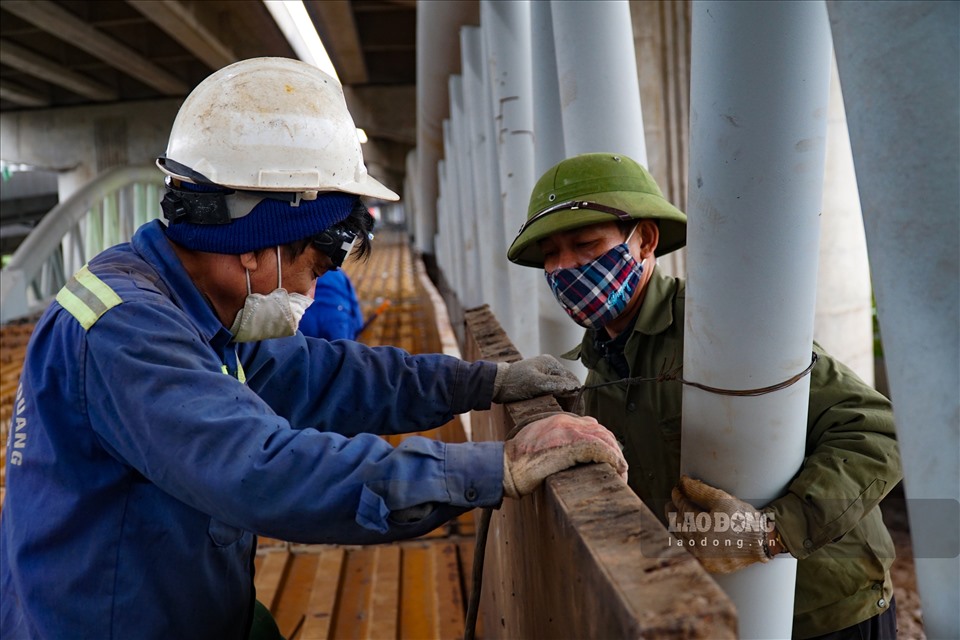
851, 462
155, 395
350, 388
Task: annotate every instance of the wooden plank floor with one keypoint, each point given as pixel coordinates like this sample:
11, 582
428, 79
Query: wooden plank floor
414, 589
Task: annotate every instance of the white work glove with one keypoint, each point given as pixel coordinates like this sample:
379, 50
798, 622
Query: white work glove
553, 444
732, 535
532, 377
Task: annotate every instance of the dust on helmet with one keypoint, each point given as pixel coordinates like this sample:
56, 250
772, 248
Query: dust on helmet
269, 124
592, 188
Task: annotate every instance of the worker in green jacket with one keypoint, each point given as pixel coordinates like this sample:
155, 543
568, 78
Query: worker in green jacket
596, 224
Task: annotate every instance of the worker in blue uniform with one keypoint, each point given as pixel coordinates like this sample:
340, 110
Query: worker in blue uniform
335, 312
169, 412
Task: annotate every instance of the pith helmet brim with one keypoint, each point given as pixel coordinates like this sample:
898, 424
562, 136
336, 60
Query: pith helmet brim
617, 182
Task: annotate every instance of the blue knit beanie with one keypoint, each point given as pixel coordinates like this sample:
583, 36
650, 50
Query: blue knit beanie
270, 223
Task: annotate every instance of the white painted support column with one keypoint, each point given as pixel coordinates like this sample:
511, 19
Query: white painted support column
438, 26
597, 70
558, 333
899, 64
442, 237
410, 181
843, 323
488, 215
470, 292
507, 40
449, 217
760, 78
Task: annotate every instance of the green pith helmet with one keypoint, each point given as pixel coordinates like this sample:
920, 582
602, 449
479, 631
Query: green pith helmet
592, 188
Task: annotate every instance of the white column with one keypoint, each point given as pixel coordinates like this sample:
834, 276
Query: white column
67, 183
597, 71
558, 333
469, 288
760, 80
506, 27
450, 217
843, 323
899, 67
488, 220
442, 238
437, 57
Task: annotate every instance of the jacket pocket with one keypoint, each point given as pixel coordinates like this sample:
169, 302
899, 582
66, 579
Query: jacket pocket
223, 534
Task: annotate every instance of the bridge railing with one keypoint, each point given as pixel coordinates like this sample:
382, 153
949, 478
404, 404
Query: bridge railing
582, 557
101, 214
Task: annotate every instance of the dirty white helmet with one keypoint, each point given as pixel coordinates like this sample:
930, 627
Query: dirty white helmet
269, 124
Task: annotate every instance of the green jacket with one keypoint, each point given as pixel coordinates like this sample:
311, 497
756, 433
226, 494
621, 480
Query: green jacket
829, 519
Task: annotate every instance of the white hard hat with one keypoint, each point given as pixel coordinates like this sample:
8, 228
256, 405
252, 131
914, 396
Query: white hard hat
269, 124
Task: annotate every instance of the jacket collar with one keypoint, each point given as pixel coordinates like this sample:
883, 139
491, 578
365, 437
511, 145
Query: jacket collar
655, 316
151, 243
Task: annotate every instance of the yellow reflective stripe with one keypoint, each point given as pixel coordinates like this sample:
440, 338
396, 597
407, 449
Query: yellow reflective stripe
76, 308
86, 297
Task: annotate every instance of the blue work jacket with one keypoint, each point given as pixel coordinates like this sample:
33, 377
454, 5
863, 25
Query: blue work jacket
147, 450
335, 313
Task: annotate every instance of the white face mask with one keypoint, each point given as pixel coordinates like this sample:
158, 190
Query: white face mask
273, 315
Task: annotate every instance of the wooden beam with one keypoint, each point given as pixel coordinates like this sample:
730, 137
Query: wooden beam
21, 95
17, 57
59, 22
583, 557
182, 24
338, 29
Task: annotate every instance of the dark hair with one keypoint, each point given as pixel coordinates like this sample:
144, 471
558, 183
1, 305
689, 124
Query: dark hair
359, 222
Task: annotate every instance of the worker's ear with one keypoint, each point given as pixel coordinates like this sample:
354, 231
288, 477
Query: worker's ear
249, 261
648, 234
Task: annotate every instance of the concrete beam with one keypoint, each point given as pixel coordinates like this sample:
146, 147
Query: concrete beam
17, 57
338, 30
63, 139
386, 161
388, 112
21, 95
182, 24
60, 23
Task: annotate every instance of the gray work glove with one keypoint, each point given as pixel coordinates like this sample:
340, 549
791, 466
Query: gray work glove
532, 377
553, 444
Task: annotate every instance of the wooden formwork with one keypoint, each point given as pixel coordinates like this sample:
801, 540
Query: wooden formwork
583, 557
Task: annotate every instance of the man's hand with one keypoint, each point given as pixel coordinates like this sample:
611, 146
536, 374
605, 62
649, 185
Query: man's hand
553, 444
726, 534
532, 377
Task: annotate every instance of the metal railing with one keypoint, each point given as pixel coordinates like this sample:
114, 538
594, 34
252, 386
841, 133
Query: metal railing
101, 214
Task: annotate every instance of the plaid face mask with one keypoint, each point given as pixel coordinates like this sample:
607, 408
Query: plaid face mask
599, 291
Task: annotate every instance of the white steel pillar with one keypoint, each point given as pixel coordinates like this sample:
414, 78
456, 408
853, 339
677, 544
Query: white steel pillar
558, 333
466, 251
899, 63
760, 79
488, 215
442, 239
597, 71
843, 323
507, 39
450, 217
438, 26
